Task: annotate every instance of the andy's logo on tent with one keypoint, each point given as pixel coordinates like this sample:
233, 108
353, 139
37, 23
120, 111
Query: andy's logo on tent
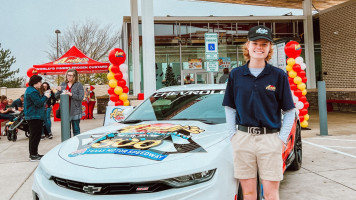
262, 31
72, 60
119, 54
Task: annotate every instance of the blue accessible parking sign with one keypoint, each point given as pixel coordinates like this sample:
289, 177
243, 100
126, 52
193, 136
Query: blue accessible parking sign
211, 47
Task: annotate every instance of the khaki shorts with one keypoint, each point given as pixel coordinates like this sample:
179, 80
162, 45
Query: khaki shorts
257, 152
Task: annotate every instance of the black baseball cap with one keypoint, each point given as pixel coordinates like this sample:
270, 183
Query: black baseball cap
259, 32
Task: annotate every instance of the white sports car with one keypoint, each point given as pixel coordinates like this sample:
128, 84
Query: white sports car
173, 146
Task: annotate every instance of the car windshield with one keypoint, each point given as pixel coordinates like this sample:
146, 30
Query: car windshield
200, 105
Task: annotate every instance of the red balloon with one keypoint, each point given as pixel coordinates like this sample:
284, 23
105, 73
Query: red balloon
304, 79
114, 97
293, 49
296, 68
27, 84
298, 93
303, 99
121, 83
115, 69
31, 71
303, 111
117, 56
111, 91
291, 80
118, 76
119, 103
301, 74
306, 105
125, 89
293, 86
301, 118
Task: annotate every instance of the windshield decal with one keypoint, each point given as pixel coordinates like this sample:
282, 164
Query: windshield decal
184, 93
152, 141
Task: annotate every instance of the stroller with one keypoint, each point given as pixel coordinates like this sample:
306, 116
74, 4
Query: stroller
19, 122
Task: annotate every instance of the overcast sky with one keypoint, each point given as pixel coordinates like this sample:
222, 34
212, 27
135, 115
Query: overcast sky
26, 26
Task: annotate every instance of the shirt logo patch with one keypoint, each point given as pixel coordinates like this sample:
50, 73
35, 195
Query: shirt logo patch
271, 88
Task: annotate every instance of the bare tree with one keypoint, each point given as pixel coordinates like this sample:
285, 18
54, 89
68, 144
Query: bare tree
93, 40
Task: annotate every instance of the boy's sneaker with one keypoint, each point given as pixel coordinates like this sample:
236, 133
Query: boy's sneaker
50, 136
42, 137
35, 158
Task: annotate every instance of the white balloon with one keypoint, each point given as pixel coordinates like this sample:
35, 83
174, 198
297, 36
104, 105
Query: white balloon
295, 99
299, 105
303, 66
123, 68
125, 76
299, 60
111, 103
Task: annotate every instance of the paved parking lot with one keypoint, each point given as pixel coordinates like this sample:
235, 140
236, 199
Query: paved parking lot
328, 170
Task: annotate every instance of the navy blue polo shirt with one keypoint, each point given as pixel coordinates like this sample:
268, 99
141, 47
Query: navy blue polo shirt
258, 100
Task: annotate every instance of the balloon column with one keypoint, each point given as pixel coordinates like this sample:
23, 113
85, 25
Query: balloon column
118, 77
297, 80
30, 72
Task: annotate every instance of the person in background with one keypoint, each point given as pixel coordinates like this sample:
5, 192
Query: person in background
18, 103
92, 93
255, 96
34, 104
75, 90
225, 76
4, 112
9, 104
48, 109
188, 80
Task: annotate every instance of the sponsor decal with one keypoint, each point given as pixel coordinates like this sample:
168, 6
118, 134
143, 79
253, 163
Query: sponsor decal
143, 140
117, 114
71, 60
271, 88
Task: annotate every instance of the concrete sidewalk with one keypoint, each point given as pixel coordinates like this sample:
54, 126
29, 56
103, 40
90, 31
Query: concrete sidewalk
324, 174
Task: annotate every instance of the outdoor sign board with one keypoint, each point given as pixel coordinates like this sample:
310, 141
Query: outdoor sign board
212, 66
211, 46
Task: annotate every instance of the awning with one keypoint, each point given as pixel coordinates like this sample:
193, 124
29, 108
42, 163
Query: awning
73, 59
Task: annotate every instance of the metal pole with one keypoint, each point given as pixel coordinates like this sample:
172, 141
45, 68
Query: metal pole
57, 32
323, 119
65, 126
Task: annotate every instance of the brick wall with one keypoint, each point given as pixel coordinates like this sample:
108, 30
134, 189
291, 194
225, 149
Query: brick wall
339, 94
338, 39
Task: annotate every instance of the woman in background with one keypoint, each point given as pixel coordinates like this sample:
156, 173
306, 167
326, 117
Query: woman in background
48, 109
75, 90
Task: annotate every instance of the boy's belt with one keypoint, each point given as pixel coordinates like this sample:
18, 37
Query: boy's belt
257, 130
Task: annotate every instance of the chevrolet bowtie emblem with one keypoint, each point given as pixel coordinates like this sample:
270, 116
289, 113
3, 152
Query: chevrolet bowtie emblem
90, 189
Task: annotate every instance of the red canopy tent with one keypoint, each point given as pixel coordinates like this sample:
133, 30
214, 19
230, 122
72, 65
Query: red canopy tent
73, 59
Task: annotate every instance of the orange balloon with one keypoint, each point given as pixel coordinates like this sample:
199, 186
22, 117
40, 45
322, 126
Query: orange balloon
292, 74
126, 103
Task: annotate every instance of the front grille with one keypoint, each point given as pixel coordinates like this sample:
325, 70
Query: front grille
111, 188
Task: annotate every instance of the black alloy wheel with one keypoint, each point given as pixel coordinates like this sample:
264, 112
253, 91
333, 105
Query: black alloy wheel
298, 152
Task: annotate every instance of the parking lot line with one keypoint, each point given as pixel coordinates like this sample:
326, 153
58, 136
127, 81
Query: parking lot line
334, 139
330, 149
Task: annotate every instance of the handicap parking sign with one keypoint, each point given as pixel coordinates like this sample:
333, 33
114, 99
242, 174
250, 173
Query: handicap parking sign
211, 47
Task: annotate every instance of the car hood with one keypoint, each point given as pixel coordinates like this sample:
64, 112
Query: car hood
146, 143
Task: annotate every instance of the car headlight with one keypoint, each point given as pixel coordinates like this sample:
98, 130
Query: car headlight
43, 172
191, 179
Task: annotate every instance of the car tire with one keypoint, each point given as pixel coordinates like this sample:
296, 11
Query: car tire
298, 151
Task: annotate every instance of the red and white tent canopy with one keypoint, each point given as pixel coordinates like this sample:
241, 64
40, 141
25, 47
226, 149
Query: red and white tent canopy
73, 59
